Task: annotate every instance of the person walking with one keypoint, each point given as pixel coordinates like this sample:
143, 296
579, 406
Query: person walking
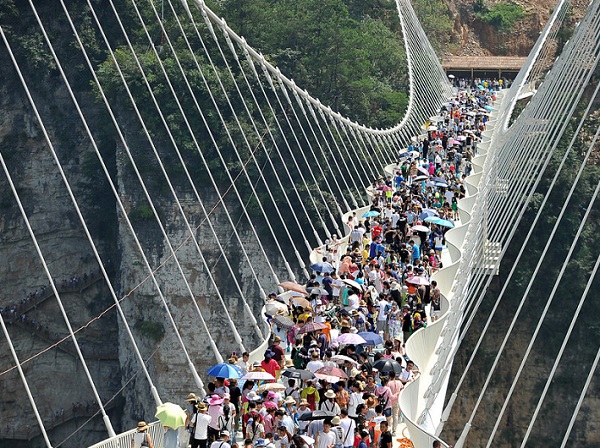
141, 436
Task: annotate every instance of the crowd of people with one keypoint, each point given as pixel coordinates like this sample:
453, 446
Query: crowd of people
336, 365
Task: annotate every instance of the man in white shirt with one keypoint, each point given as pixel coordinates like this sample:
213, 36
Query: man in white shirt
395, 218
222, 441
325, 438
315, 363
408, 374
348, 426
200, 422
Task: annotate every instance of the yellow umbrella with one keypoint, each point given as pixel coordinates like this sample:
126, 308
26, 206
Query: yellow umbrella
170, 415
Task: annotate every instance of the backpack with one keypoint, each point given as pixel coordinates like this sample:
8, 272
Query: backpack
311, 398
383, 400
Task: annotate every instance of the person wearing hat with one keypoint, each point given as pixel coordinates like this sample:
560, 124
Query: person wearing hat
278, 350
300, 411
289, 404
141, 436
215, 410
190, 408
200, 422
329, 404
222, 441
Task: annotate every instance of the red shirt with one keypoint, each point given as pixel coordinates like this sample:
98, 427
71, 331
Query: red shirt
270, 367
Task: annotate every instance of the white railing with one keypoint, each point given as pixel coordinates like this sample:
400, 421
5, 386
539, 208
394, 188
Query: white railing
155, 431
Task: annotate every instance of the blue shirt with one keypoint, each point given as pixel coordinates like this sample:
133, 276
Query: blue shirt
416, 252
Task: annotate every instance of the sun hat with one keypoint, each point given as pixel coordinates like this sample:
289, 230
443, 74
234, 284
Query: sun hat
224, 433
142, 426
336, 420
290, 400
191, 397
215, 401
304, 402
201, 407
252, 396
330, 394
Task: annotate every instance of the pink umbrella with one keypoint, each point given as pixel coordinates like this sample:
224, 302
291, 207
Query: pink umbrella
332, 371
350, 338
258, 376
454, 142
329, 378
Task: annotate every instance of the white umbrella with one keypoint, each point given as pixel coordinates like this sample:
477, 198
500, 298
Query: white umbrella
258, 376
275, 387
420, 228
352, 283
340, 359
273, 306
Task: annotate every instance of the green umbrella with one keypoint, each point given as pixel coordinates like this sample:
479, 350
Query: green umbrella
170, 415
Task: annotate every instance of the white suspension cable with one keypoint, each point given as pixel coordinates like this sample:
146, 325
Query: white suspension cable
36, 412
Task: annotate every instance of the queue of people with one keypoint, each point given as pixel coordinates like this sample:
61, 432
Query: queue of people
336, 366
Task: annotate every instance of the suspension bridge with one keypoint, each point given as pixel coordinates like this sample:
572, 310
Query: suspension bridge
227, 177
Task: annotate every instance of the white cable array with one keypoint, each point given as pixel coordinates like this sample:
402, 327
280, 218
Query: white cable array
570, 84
214, 142
329, 134
272, 137
38, 250
554, 288
245, 139
557, 88
152, 206
232, 324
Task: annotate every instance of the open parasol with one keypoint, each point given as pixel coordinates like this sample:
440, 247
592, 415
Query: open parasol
293, 286
312, 326
171, 415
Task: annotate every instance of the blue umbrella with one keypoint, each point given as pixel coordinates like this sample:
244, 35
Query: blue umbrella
225, 371
445, 223
488, 108
440, 222
322, 266
371, 338
432, 218
370, 214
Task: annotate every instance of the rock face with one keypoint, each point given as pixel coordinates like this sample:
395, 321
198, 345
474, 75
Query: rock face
472, 37
56, 377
